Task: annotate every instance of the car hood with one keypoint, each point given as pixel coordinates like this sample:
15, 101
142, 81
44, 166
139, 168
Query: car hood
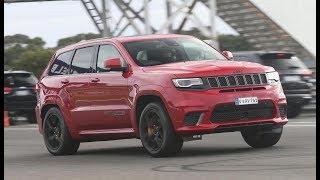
208, 68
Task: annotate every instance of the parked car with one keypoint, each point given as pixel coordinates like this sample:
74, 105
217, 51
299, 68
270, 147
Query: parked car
296, 79
163, 89
19, 94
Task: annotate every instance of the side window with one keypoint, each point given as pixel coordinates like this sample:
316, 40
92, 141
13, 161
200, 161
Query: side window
81, 62
106, 52
61, 64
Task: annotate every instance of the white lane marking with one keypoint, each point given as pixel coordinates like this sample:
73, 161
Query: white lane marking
302, 122
301, 125
20, 129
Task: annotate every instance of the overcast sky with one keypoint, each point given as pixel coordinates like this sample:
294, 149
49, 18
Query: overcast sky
54, 20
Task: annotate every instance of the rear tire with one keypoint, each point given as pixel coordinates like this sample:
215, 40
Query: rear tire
262, 139
56, 134
156, 132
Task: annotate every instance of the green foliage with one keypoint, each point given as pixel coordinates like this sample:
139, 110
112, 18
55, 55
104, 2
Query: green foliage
32, 60
73, 39
12, 53
23, 39
24, 53
17, 38
234, 43
16, 44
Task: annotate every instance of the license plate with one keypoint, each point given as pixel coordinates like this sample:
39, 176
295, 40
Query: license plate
246, 101
22, 93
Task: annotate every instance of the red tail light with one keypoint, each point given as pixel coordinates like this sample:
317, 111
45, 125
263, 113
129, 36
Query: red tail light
7, 90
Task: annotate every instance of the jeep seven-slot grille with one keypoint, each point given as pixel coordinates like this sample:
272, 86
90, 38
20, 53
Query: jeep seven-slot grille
237, 80
232, 112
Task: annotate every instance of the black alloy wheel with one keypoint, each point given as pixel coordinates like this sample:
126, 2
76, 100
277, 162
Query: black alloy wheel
156, 132
56, 134
52, 129
153, 130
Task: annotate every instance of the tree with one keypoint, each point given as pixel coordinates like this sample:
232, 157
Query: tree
33, 60
73, 39
12, 53
234, 43
35, 43
17, 38
16, 44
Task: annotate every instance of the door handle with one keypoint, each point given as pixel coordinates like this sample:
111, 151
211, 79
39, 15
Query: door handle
95, 80
65, 81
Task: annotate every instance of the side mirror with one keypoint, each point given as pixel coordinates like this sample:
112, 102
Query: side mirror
228, 55
114, 64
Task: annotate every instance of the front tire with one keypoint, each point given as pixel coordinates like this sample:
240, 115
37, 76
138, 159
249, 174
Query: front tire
56, 134
262, 139
156, 132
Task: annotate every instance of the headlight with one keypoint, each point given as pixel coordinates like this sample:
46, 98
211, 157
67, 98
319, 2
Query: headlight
193, 83
273, 77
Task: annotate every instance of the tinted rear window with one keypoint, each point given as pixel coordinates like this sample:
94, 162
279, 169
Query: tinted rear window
61, 64
19, 79
81, 62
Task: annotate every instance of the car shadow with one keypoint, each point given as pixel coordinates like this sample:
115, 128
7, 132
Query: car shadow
185, 152
120, 151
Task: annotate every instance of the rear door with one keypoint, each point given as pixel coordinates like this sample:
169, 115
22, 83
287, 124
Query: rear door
77, 86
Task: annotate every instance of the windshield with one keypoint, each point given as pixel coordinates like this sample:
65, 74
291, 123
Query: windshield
19, 79
162, 51
285, 64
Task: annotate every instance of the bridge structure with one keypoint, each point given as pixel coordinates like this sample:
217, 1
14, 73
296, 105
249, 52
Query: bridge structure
242, 15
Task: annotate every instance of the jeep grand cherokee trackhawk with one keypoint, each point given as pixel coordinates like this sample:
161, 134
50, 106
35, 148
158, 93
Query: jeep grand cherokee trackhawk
162, 89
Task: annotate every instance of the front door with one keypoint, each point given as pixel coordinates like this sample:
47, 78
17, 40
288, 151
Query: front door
109, 93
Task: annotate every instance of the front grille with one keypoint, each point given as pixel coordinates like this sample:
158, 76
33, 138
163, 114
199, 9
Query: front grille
222, 81
283, 110
237, 80
248, 79
232, 112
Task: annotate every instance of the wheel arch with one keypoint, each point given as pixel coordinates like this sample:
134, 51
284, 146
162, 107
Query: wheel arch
58, 103
142, 100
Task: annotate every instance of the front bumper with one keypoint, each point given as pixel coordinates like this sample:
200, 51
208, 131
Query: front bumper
185, 102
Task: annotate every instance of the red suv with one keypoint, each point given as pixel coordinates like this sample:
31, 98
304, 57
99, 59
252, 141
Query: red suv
162, 89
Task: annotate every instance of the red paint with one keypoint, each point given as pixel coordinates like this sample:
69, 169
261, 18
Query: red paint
112, 63
102, 105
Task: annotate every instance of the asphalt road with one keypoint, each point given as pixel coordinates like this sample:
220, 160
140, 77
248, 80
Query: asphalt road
217, 156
